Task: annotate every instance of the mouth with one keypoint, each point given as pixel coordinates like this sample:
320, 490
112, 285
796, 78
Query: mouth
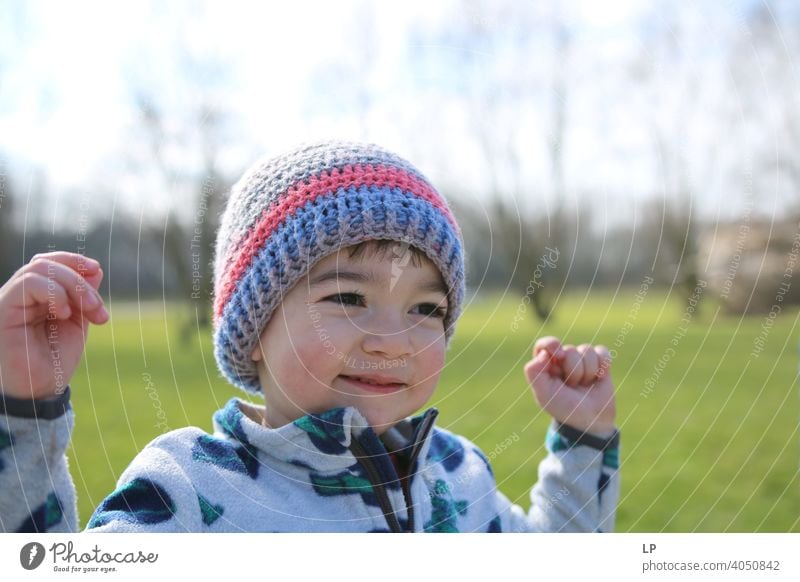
375, 383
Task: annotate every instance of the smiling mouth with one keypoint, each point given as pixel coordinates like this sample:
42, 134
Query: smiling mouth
373, 385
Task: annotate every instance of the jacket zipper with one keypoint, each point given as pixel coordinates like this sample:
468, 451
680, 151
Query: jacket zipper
424, 429
377, 486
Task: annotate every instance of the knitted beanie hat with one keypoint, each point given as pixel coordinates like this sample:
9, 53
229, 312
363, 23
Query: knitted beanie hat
288, 212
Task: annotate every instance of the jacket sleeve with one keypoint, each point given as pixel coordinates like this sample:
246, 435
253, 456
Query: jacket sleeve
154, 494
37, 494
36, 491
577, 489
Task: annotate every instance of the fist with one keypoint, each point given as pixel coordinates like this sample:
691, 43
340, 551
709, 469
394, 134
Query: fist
573, 384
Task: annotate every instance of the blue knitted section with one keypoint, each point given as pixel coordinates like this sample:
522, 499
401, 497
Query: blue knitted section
269, 178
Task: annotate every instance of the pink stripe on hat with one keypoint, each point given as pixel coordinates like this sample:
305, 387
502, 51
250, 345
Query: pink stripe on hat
302, 193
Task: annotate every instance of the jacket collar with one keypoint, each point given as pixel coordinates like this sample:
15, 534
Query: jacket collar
322, 441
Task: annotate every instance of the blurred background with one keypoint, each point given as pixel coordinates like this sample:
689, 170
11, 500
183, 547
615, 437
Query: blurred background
624, 174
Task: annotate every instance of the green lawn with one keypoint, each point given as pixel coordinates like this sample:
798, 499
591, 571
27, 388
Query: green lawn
712, 446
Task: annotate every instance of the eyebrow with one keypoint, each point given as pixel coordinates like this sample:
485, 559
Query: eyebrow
368, 277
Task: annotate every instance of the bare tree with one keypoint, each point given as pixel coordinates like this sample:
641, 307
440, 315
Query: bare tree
183, 125
188, 239
751, 259
767, 85
345, 83
498, 97
667, 73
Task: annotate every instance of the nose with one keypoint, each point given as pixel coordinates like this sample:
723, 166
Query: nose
388, 336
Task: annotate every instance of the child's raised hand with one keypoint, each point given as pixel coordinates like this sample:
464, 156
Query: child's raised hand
573, 384
45, 311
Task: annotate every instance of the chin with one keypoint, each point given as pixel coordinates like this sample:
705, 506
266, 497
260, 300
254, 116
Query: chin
380, 423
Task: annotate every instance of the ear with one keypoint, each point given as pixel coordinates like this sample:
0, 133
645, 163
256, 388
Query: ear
257, 355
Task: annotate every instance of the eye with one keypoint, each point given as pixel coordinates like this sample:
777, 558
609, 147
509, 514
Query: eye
346, 298
432, 310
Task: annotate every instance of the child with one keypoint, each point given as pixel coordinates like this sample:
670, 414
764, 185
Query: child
339, 277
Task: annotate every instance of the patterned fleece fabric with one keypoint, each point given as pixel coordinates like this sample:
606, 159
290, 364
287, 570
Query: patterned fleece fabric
325, 472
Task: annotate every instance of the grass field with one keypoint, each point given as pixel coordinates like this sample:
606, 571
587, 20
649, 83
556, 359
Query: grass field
710, 438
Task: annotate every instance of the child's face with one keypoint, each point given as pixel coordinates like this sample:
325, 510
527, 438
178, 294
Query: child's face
369, 317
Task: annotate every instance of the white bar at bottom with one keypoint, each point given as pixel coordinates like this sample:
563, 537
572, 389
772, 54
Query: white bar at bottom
493, 557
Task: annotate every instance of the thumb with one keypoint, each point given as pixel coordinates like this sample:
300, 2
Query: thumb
542, 382
94, 279
536, 369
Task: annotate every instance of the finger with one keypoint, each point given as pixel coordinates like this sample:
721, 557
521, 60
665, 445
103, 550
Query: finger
552, 347
537, 366
41, 297
572, 366
45, 297
591, 363
75, 261
82, 296
538, 376
549, 343
604, 358
94, 279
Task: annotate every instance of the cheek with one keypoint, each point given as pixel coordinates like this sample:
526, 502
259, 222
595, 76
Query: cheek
432, 357
315, 351
289, 350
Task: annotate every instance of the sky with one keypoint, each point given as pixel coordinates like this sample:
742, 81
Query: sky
285, 72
